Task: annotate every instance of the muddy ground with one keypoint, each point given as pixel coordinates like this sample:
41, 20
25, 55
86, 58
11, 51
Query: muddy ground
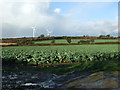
36, 80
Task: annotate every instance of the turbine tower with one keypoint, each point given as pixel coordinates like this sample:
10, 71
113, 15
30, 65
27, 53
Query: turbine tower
34, 30
48, 32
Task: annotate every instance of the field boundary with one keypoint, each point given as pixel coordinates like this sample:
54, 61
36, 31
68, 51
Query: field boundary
56, 44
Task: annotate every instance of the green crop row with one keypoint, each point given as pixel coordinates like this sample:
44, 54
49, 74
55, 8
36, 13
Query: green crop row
46, 55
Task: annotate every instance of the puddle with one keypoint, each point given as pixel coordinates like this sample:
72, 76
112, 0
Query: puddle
91, 84
29, 84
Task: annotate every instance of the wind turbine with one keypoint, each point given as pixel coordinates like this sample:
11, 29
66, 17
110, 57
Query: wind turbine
48, 32
34, 30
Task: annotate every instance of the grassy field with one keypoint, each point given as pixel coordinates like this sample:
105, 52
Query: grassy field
106, 40
74, 41
72, 48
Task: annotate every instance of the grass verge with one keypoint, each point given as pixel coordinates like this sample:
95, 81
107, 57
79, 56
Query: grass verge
112, 65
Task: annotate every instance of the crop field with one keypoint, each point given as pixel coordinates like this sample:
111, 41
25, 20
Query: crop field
22, 63
107, 40
75, 41
59, 54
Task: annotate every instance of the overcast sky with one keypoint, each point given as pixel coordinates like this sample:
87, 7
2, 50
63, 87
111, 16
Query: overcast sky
60, 18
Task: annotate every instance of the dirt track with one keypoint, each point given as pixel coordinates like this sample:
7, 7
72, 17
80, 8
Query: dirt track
35, 80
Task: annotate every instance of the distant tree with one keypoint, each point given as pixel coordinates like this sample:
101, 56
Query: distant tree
23, 37
41, 36
68, 40
79, 42
53, 41
64, 37
108, 35
84, 36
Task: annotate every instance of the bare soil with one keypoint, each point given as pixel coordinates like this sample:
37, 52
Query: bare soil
8, 44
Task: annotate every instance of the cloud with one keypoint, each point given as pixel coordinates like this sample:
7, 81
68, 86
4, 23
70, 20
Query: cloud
57, 10
18, 19
99, 27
